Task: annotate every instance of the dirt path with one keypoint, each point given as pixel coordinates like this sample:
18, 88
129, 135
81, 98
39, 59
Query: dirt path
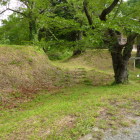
130, 133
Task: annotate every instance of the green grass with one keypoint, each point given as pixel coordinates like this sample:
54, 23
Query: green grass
23, 48
65, 115
72, 112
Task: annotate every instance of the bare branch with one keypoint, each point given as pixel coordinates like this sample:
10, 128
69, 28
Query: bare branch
17, 12
3, 11
13, 11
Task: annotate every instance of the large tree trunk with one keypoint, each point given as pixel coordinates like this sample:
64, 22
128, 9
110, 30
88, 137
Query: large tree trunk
120, 68
119, 64
120, 58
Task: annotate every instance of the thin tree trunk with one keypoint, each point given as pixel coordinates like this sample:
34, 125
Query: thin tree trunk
138, 55
32, 29
77, 38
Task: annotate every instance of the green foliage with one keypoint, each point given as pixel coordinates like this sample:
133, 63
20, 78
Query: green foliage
57, 50
4, 41
14, 31
3, 2
59, 23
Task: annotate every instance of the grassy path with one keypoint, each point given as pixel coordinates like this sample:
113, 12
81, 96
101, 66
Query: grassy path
70, 113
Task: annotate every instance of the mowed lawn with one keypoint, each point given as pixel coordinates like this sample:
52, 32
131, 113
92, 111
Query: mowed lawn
71, 113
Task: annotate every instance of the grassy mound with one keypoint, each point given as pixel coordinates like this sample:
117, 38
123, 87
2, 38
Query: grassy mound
95, 66
26, 69
94, 59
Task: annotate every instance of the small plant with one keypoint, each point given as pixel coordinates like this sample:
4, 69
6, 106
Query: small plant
133, 121
103, 124
98, 134
30, 60
15, 62
88, 82
124, 124
137, 113
114, 132
126, 132
16, 94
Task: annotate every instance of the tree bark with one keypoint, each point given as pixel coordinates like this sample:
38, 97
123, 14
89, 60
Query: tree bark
120, 58
108, 10
89, 18
119, 65
78, 37
138, 55
32, 29
120, 53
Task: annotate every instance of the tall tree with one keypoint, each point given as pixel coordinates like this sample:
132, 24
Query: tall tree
116, 24
31, 10
62, 25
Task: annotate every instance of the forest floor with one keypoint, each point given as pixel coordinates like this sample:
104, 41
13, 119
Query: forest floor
79, 112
